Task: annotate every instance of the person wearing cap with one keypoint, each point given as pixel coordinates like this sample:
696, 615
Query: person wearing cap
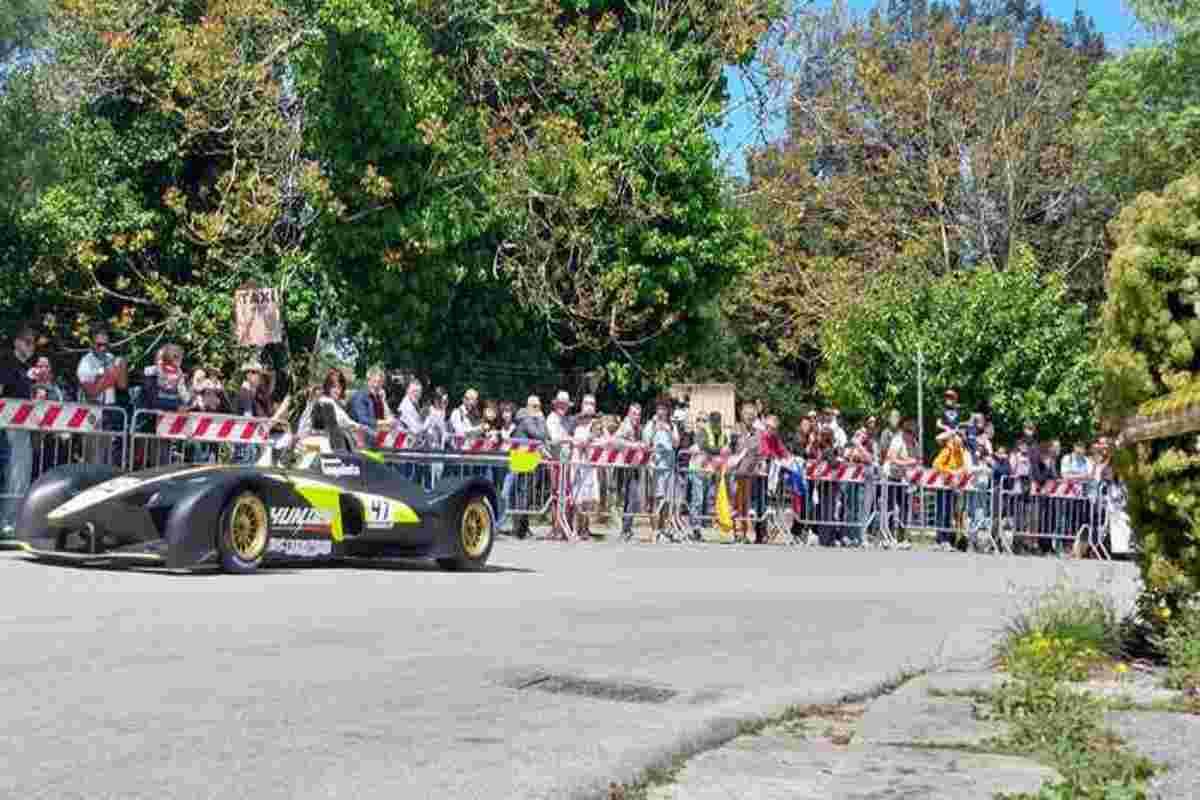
949, 420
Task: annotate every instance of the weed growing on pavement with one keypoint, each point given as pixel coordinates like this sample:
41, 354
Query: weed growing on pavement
1061, 637
1064, 728
1072, 621
1038, 657
1180, 644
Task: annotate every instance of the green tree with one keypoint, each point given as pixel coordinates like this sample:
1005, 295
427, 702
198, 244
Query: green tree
180, 175
920, 145
1141, 122
1008, 340
553, 156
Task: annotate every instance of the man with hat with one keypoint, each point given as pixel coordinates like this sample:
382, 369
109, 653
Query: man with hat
557, 423
249, 403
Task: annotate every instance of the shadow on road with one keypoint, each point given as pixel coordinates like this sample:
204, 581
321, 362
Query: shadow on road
274, 570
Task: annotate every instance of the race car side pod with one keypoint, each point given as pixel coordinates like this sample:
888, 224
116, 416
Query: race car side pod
51, 491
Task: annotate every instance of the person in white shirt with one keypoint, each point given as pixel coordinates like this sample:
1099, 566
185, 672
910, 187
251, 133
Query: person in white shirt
1076, 466
100, 374
586, 488
839, 434
463, 421
556, 422
410, 412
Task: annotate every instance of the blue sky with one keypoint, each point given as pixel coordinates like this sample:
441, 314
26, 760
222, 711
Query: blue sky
1111, 17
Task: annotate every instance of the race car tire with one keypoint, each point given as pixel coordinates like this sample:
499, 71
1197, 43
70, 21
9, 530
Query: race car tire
243, 533
474, 534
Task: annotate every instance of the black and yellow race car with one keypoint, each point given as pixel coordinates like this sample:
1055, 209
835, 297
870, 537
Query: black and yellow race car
331, 505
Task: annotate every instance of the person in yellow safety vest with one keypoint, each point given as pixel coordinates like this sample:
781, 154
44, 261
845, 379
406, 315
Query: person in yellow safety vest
712, 442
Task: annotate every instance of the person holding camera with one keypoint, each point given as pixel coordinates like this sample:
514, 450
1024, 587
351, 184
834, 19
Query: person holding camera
100, 375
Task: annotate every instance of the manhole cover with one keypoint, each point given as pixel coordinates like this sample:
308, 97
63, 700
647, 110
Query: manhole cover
617, 691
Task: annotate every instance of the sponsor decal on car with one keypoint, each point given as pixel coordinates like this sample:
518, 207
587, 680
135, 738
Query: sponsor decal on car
303, 518
300, 547
335, 468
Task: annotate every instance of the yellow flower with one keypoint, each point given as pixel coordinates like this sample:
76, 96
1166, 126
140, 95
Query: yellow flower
1164, 613
1122, 668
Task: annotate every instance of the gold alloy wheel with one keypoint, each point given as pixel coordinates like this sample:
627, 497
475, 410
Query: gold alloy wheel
476, 528
248, 527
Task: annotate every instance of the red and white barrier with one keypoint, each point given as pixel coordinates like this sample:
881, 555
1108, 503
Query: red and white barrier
821, 471
391, 440
614, 456
1060, 488
936, 479
44, 415
403, 440
216, 428
487, 444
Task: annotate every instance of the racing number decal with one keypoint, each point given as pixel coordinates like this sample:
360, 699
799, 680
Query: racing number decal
379, 513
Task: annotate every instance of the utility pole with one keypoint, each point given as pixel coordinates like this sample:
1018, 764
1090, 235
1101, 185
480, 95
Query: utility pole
921, 397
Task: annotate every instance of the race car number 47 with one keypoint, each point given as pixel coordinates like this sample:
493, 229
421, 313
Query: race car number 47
300, 547
379, 513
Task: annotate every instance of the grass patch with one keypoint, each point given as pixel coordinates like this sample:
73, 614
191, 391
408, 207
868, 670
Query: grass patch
1064, 729
1059, 637
1080, 627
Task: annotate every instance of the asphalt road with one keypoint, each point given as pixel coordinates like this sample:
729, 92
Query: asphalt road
565, 668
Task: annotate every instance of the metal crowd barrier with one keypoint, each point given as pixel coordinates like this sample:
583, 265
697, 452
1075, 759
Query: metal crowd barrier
38, 435
1050, 514
609, 479
575, 485
168, 438
694, 488
523, 497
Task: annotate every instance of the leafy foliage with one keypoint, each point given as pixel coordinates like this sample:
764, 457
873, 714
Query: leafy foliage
554, 157
923, 144
1180, 643
1006, 340
1140, 125
1151, 329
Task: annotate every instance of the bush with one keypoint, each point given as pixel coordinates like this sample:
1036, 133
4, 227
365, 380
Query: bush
1150, 347
1181, 645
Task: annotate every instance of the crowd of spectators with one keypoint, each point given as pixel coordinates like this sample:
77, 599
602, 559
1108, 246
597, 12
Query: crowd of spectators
678, 443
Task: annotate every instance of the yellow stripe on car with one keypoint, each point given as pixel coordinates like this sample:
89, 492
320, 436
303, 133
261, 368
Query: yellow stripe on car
323, 497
